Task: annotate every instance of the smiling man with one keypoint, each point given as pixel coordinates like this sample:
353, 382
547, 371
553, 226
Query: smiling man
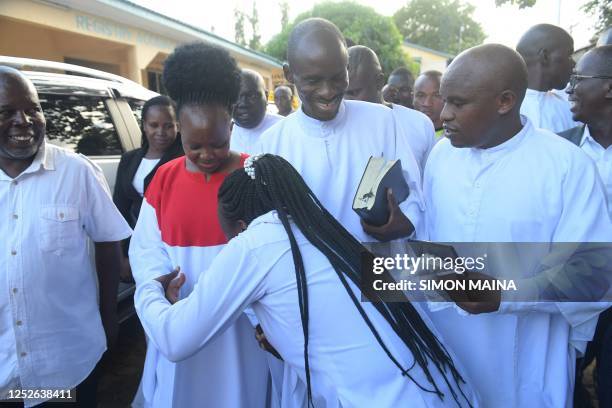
52, 328
590, 96
329, 140
250, 116
509, 181
547, 51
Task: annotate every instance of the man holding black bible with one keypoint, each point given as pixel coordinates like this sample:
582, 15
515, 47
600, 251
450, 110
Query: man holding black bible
510, 182
329, 140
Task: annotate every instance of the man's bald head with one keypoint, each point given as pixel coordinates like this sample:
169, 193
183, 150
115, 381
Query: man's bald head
321, 28
317, 66
483, 88
547, 51
492, 67
250, 108
254, 76
605, 38
282, 99
366, 78
22, 124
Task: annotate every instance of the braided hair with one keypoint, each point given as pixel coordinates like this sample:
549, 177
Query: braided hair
278, 186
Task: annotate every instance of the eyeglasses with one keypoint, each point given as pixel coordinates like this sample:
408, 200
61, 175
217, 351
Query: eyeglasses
575, 78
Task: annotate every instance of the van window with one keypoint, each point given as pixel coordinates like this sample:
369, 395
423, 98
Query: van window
80, 123
136, 105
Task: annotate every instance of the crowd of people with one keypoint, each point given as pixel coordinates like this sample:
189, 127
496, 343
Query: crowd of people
247, 255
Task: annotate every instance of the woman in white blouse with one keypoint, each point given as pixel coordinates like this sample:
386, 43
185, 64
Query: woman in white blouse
160, 144
299, 270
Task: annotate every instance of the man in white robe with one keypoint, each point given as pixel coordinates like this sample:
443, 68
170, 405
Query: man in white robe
510, 182
547, 51
590, 95
329, 140
366, 80
250, 116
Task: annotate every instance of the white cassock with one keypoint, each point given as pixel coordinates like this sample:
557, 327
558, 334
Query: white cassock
548, 110
603, 159
417, 130
536, 187
348, 366
332, 155
245, 140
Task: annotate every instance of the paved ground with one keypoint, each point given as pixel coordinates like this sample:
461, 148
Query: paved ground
123, 367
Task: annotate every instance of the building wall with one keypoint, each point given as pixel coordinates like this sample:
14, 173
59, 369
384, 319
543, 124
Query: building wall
428, 61
35, 30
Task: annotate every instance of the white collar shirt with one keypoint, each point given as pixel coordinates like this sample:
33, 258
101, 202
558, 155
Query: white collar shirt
332, 155
548, 110
603, 161
245, 140
51, 334
535, 187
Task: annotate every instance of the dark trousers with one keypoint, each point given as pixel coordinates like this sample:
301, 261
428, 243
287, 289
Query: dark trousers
85, 394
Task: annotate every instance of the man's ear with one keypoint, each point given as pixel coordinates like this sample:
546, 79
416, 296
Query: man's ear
242, 225
543, 56
506, 101
288, 73
380, 81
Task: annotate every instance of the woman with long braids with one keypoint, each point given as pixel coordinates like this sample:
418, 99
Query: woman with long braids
299, 270
178, 225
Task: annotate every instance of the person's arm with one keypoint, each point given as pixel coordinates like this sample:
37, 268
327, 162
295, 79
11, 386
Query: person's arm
147, 254
108, 263
234, 280
106, 227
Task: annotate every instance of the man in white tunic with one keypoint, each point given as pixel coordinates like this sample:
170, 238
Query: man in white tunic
510, 182
250, 116
329, 140
590, 95
366, 79
547, 51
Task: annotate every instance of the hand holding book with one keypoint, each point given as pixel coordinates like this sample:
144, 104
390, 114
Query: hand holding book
397, 226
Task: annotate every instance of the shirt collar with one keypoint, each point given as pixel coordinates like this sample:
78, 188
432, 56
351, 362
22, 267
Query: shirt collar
318, 125
586, 137
44, 158
509, 144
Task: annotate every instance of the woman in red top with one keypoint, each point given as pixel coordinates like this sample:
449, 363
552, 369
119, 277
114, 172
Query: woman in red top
178, 226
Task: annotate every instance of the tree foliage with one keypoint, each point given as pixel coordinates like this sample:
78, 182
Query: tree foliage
361, 24
284, 9
255, 42
239, 27
603, 10
520, 3
444, 25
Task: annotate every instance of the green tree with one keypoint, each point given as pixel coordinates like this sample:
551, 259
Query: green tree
520, 3
284, 8
255, 42
444, 25
603, 10
359, 23
239, 27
